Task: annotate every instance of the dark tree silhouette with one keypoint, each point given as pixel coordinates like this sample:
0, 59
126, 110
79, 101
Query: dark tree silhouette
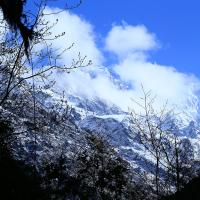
190, 191
158, 133
16, 178
13, 14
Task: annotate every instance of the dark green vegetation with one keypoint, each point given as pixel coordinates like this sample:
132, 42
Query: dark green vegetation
96, 173
17, 181
190, 191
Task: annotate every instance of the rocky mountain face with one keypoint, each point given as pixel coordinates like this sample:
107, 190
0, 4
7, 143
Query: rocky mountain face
42, 131
67, 119
114, 125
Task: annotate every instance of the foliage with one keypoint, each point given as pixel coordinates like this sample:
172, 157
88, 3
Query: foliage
189, 191
17, 180
95, 173
173, 156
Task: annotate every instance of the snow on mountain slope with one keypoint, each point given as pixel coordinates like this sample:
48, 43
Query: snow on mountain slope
91, 115
42, 133
111, 123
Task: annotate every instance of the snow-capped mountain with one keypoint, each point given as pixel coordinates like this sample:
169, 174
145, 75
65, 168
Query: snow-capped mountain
113, 124
82, 115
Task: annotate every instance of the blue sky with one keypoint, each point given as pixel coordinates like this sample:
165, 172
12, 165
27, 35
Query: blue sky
176, 24
149, 43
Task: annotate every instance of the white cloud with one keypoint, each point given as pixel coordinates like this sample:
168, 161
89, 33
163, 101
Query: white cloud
77, 31
126, 39
131, 44
164, 81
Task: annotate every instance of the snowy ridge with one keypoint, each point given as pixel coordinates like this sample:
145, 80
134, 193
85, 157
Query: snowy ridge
113, 125
89, 115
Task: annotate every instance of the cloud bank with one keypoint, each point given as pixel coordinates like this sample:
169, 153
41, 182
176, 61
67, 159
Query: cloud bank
131, 45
